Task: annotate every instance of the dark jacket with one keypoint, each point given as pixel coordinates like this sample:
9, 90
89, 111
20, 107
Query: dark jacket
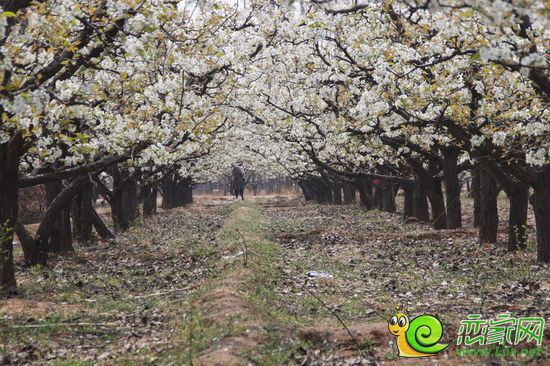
238, 178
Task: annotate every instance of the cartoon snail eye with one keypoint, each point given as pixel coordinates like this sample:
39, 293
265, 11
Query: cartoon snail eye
393, 320
402, 321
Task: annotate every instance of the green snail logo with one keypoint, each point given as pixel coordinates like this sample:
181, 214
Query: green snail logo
418, 337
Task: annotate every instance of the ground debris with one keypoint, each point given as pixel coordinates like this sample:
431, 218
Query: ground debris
111, 299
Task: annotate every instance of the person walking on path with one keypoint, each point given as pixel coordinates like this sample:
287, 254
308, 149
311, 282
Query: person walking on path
238, 180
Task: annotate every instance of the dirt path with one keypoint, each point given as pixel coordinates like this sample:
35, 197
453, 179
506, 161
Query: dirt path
244, 298
227, 304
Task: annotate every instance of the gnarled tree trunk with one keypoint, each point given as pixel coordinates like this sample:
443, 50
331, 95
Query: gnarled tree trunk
364, 186
488, 213
60, 239
306, 190
437, 203
337, 193
168, 192
47, 228
102, 229
518, 195
420, 203
475, 193
10, 153
433, 191
452, 187
176, 192
408, 206
349, 193
322, 190
124, 201
377, 196
31, 252
388, 196
149, 195
540, 200
187, 191
82, 213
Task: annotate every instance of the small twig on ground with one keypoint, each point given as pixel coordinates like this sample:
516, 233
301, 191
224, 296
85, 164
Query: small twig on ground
353, 338
245, 249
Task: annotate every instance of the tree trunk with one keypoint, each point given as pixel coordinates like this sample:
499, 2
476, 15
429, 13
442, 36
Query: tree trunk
125, 202
168, 192
82, 213
337, 193
364, 187
313, 192
179, 193
476, 190
131, 199
10, 153
176, 192
408, 207
488, 213
187, 191
349, 193
437, 203
318, 194
149, 200
60, 238
31, 253
117, 211
322, 189
420, 203
452, 187
433, 191
377, 196
517, 219
66, 242
102, 229
540, 200
388, 196
305, 190
47, 228
327, 191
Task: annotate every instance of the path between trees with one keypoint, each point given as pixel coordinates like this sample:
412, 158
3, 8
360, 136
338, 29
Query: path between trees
243, 298
269, 282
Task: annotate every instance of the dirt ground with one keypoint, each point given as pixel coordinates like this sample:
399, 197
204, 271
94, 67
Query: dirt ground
270, 281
